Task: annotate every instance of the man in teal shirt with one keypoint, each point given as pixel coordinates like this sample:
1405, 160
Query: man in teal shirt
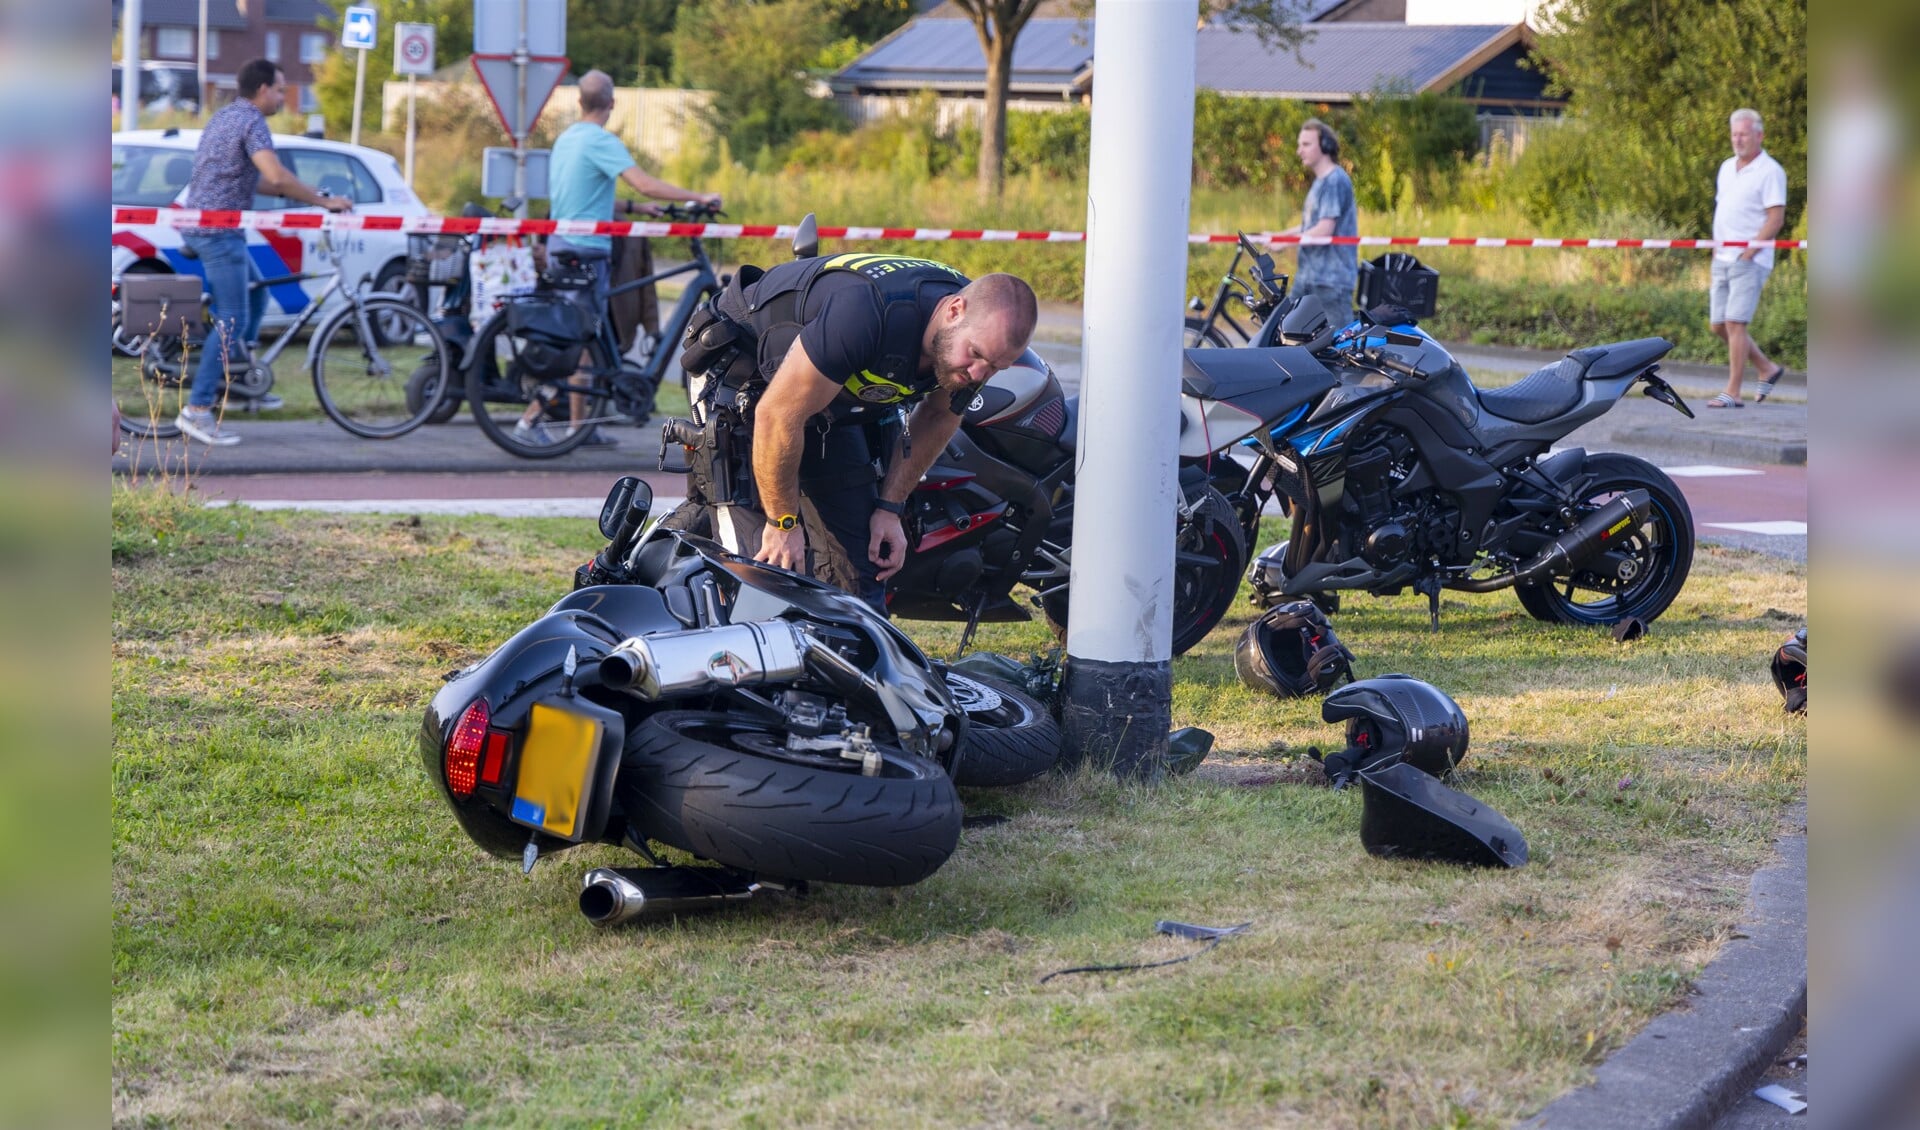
587, 164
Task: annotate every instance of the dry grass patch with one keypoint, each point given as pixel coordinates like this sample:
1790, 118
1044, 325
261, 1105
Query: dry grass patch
301, 934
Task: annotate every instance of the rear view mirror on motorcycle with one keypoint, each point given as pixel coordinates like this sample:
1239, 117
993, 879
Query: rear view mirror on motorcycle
806, 241
625, 510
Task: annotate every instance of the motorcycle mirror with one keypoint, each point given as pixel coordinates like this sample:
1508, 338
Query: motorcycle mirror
806, 241
619, 501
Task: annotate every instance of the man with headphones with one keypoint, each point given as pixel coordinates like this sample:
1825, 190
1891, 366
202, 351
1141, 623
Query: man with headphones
1329, 272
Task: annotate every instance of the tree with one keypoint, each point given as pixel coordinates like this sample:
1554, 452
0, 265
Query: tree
631, 40
755, 57
1657, 82
998, 24
452, 22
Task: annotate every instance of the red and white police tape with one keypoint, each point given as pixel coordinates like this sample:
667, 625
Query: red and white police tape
456, 225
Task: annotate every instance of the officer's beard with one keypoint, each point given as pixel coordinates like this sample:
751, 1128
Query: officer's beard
953, 380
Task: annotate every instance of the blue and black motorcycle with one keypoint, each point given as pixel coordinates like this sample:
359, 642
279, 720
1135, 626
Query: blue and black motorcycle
1397, 473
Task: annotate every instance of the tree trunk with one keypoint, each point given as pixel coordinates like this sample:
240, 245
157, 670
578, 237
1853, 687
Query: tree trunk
993, 126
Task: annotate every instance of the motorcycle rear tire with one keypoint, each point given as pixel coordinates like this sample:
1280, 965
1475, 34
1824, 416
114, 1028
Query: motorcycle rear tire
785, 819
1665, 563
1009, 741
1202, 594
426, 383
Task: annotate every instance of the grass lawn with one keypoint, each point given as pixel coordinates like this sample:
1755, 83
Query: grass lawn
302, 934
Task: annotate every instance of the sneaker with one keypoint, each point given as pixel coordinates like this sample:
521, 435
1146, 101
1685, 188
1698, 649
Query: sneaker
202, 426
532, 433
596, 437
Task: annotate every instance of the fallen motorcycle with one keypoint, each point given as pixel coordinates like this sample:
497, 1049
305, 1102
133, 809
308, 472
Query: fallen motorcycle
758, 720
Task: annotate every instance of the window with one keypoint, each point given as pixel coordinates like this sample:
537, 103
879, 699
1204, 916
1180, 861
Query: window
213, 43
148, 177
173, 43
309, 100
313, 47
338, 173
273, 46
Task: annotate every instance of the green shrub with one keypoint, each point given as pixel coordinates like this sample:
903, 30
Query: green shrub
1054, 142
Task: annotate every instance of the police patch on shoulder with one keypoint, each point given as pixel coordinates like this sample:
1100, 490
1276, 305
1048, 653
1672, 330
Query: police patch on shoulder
877, 394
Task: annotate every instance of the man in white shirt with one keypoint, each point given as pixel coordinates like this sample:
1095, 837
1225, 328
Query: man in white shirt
1750, 202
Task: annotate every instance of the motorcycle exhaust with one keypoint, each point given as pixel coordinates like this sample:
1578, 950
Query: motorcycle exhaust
701, 659
612, 895
1577, 545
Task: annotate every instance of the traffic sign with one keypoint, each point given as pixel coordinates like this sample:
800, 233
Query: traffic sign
497, 75
413, 49
497, 24
357, 30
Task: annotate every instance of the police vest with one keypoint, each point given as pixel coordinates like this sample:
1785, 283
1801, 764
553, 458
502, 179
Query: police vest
774, 301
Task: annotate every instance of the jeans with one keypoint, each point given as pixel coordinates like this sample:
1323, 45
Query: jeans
237, 310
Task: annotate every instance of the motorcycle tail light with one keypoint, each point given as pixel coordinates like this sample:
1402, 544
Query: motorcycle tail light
464, 749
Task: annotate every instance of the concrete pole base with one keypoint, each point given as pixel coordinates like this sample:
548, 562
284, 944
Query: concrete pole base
1117, 716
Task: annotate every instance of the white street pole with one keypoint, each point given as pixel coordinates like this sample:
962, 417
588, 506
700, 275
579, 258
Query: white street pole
413, 82
201, 93
359, 92
130, 65
1117, 686
520, 57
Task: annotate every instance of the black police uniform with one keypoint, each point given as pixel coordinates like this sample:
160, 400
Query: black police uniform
862, 319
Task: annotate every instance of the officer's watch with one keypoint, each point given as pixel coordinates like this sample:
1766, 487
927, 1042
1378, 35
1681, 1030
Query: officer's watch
891, 507
784, 522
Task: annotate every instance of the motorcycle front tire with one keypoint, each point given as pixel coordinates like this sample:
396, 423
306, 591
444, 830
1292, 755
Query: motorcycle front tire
689, 781
1010, 737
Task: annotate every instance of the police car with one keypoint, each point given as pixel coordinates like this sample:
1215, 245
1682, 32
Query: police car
151, 169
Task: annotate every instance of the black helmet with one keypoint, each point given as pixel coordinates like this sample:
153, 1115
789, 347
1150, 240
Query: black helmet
1790, 672
1292, 652
1395, 717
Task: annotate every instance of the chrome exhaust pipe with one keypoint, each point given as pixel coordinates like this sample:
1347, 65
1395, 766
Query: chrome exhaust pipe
1577, 545
612, 895
678, 663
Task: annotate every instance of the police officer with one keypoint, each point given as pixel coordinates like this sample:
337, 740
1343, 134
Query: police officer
846, 343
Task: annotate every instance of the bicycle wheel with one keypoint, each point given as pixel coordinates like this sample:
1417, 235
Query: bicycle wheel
361, 362
151, 389
503, 383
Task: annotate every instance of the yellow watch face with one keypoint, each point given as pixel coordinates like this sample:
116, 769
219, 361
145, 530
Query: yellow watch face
784, 522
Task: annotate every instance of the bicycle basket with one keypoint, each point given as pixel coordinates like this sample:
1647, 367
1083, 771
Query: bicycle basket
436, 260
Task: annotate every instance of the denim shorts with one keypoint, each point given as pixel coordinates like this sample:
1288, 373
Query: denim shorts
1736, 291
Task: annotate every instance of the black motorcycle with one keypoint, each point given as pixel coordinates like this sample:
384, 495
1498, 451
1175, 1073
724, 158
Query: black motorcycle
1397, 472
684, 696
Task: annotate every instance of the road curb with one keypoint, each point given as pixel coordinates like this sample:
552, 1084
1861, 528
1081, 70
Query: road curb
1737, 448
1687, 1067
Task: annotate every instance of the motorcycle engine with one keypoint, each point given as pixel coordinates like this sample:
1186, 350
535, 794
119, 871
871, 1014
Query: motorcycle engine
1390, 513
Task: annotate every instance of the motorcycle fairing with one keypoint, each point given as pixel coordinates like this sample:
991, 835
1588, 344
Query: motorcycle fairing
521, 672
1226, 393
1408, 814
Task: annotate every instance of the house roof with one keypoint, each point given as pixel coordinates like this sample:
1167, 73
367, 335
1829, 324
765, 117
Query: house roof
301, 12
1343, 60
1054, 57
222, 14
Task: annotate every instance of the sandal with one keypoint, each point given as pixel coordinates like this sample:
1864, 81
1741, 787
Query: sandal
1761, 390
1722, 400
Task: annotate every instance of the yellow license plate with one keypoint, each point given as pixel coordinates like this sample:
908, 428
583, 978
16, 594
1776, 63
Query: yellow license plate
556, 762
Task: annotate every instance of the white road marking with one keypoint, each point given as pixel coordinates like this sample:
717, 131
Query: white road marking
1767, 529
1709, 471
497, 507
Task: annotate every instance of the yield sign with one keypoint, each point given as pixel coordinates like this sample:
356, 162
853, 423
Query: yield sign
503, 88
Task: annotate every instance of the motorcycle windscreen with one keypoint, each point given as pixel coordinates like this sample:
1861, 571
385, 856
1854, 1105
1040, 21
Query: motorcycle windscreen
1408, 814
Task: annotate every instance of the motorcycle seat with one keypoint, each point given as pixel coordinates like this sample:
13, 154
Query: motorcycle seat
1070, 432
1620, 358
1539, 396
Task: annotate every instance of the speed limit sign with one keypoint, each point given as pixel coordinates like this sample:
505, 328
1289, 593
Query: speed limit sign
413, 49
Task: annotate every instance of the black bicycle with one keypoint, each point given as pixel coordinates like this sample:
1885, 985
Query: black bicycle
1261, 294
529, 351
